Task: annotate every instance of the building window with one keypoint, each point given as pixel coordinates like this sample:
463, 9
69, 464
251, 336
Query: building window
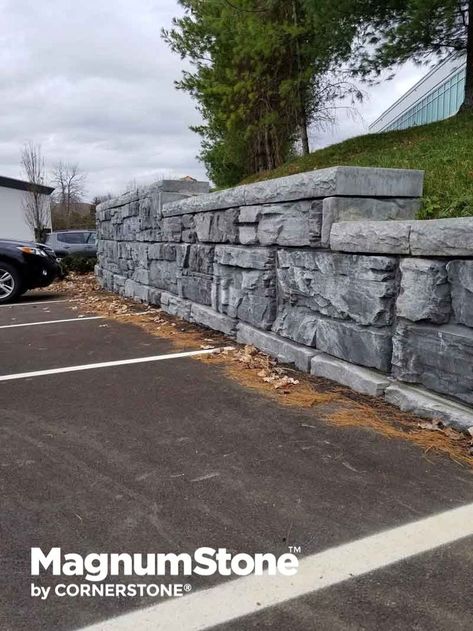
440, 103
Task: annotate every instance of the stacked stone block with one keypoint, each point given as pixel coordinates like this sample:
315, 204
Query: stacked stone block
328, 269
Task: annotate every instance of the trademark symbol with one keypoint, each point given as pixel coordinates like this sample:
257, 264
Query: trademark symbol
187, 587
295, 549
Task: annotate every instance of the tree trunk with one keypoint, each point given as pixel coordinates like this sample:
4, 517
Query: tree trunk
304, 134
303, 116
468, 102
268, 154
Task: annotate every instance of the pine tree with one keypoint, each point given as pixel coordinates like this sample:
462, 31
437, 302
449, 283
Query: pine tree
257, 72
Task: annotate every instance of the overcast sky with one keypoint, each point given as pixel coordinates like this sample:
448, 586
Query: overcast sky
92, 81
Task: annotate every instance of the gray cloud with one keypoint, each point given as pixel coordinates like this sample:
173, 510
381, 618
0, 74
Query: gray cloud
94, 83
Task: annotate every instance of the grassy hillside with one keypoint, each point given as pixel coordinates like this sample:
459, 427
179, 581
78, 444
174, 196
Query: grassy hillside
444, 150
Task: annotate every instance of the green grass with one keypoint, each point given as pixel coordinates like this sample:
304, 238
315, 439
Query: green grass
444, 150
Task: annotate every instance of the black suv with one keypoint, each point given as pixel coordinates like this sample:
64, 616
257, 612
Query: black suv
25, 265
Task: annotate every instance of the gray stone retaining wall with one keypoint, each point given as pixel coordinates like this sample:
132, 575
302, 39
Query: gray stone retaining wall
328, 270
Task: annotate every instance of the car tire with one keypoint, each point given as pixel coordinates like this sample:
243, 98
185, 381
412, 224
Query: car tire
11, 285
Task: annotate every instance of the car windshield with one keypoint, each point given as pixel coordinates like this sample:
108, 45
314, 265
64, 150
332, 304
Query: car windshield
73, 237
92, 238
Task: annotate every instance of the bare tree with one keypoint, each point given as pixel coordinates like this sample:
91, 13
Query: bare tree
70, 185
35, 203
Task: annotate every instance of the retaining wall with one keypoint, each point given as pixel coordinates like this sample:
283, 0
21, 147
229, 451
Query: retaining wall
328, 270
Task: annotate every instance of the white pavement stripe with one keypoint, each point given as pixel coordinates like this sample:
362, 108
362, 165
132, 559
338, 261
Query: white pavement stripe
13, 326
120, 362
248, 595
34, 303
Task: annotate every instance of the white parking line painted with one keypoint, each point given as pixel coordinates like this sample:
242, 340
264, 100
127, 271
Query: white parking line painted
34, 303
120, 362
251, 594
13, 326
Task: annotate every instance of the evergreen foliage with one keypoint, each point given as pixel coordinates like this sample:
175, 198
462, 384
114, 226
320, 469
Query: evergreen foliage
259, 75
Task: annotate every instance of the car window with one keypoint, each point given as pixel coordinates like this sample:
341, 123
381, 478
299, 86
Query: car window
73, 237
92, 238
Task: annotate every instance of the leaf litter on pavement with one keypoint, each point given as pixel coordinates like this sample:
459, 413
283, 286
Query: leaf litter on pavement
335, 404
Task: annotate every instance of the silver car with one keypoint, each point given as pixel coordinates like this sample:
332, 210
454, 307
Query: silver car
82, 242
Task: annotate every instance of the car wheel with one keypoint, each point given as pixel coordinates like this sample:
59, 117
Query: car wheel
10, 282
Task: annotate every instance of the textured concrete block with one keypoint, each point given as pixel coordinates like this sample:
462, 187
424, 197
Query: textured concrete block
174, 305
123, 250
424, 292
217, 227
206, 316
360, 288
283, 350
370, 347
460, 274
154, 296
128, 229
195, 287
357, 378
346, 181
141, 276
373, 237
437, 357
247, 234
251, 258
166, 251
167, 261
104, 277
337, 209
296, 323
429, 405
149, 212
144, 213
442, 237
118, 282
172, 229
246, 294
290, 224
126, 211
188, 234
139, 255
249, 214
220, 200
134, 290
164, 275
201, 258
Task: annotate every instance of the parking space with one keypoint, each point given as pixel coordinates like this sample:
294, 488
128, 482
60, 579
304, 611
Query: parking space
35, 311
74, 343
171, 455
38, 297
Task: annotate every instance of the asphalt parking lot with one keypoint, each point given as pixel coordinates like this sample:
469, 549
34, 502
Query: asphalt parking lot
170, 455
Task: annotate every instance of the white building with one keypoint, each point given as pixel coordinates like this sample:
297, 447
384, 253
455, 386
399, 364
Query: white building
13, 223
436, 96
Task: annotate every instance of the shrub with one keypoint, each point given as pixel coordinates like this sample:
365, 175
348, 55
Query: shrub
78, 264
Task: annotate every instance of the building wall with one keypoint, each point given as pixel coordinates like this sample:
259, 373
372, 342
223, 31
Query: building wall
12, 215
327, 269
436, 96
